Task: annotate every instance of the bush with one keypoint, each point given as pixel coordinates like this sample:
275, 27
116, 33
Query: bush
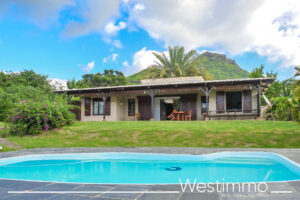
296, 102
12, 95
30, 117
281, 108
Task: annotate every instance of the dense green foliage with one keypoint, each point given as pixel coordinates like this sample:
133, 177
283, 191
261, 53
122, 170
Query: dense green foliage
245, 134
296, 97
284, 95
281, 108
31, 117
14, 94
107, 78
24, 78
23, 95
211, 66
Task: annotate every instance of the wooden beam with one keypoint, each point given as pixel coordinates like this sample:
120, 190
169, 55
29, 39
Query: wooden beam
104, 96
152, 93
233, 87
207, 91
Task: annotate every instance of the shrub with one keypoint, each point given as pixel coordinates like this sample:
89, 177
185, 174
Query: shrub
281, 108
296, 101
31, 117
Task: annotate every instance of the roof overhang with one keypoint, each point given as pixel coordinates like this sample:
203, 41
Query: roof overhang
263, 82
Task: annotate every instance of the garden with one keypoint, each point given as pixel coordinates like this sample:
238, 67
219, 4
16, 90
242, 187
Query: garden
33, 116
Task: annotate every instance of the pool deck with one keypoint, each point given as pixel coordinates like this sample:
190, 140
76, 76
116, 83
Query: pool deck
293, 187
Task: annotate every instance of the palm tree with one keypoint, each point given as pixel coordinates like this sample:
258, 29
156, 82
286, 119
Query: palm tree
177, 64
297, 71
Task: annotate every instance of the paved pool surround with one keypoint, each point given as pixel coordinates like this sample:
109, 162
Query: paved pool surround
13, 185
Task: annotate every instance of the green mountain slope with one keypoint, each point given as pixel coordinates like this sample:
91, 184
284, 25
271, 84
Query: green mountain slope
217, 64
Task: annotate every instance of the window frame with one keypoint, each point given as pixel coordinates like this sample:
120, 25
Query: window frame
240, 108
99, 100
130, 101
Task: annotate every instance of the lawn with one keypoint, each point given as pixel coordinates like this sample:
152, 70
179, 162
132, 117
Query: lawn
268, 134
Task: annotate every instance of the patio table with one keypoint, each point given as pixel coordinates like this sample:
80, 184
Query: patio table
180, 115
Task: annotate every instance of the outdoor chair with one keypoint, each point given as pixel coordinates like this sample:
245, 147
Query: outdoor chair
137, 116
189, 115
172, 115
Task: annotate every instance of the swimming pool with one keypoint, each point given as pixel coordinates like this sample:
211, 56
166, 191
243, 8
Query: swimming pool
142, 168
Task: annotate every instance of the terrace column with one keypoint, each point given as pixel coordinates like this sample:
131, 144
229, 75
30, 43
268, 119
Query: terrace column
152, 93
206, 91
258, 89
104, 96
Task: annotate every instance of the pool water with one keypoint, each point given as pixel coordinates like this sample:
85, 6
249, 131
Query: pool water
133, 168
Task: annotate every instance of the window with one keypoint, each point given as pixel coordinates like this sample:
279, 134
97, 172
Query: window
233, 101
203, 105
131, 107
98, 107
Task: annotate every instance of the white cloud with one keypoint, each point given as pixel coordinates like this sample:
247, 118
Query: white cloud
113, 29
95, 15
141, 60
58, 83
125, 63
118, 44
105, 60
41, 13
270, 28
89, 67
112, 58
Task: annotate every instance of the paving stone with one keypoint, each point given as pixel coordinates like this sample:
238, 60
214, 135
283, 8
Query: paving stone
295, 184
159, 197
29, 197
96, 188
4, 192
126, 188
69, 197
58, 187
166, 188
199, 196
21, 185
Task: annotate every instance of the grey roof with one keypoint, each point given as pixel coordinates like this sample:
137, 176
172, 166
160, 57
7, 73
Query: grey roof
154, 85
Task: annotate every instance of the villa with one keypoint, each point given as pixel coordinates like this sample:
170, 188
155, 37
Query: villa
190, 98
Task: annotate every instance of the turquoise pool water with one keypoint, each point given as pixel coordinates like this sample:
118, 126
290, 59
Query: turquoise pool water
151, 168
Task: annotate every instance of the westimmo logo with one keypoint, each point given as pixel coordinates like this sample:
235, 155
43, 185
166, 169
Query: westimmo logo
200, 187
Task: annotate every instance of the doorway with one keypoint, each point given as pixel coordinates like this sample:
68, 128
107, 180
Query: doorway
167, 105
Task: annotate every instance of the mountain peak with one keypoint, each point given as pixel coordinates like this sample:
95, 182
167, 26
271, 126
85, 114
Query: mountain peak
220, 57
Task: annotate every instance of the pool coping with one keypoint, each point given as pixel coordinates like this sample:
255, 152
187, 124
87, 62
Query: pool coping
292, 154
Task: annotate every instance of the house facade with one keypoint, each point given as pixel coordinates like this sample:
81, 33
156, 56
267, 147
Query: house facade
157, 98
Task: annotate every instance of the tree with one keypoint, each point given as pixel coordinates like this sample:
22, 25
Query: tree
257, 72
108, 78
177, 64
113, 78
297, 71
25, 78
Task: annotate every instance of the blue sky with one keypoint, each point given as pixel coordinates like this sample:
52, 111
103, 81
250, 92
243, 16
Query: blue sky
67, 38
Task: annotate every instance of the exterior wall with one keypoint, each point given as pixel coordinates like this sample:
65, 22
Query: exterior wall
119, 107
111, 117
122, 107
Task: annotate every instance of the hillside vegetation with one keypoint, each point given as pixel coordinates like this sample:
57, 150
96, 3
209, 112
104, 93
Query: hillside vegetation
216, 64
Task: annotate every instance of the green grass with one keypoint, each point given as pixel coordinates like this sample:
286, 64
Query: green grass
5, 148
246, 134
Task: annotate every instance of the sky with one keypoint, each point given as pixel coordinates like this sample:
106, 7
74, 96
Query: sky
65, 39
